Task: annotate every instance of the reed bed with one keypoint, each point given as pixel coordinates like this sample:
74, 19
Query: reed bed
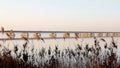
37, 54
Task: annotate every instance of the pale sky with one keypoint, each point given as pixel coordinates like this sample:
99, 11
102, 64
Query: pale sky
78, 15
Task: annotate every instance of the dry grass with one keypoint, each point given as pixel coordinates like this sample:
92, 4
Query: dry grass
57, 60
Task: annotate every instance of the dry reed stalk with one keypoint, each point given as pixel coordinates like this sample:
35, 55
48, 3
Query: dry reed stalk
53, 35
36, 36
91, 35
76, 35
66, 35
2, 30
119, 34
84, 34
100, 35
107, 34
24, 36
113, 34
11, 34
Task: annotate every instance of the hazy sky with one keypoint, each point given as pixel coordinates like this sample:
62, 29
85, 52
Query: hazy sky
81, 15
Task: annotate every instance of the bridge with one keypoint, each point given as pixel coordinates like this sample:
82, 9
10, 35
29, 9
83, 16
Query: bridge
19, 35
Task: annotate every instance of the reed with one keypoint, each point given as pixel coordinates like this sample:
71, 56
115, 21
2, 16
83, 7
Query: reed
80, 57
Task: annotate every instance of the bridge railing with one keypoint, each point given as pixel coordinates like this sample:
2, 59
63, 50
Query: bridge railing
18, 35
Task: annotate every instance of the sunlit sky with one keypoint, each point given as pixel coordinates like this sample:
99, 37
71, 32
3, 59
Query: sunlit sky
72, 15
